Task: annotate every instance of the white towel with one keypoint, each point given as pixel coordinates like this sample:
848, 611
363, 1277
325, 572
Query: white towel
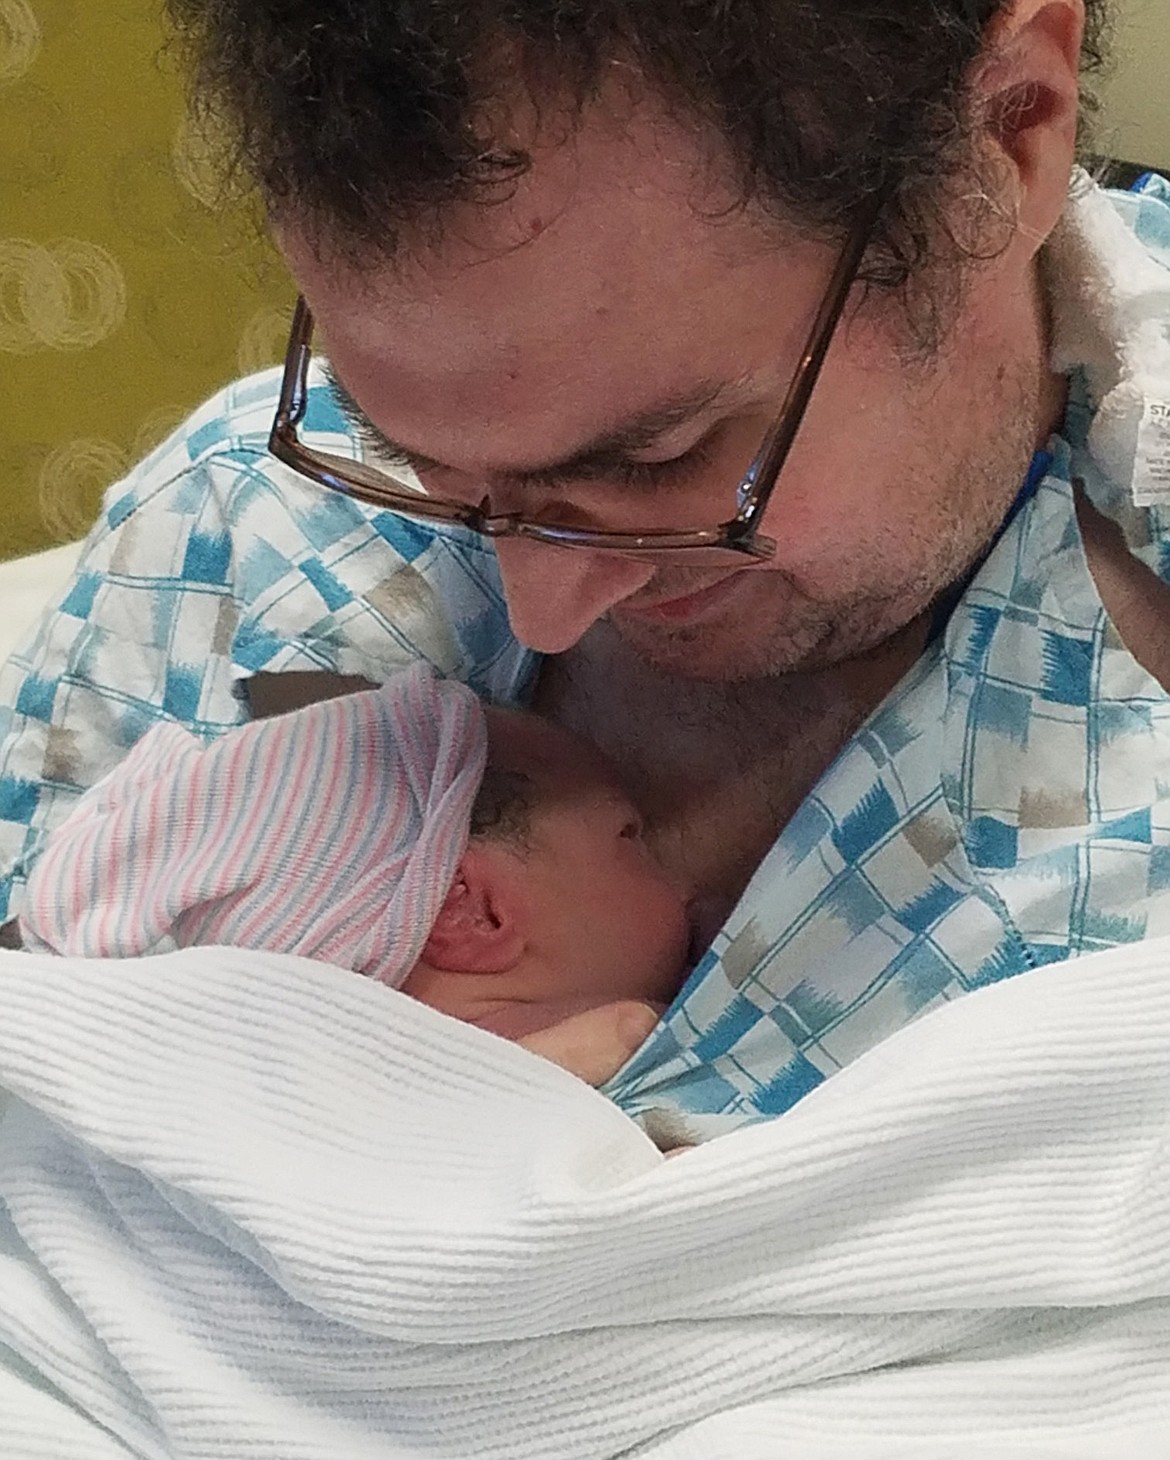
1109, 299
257, 1206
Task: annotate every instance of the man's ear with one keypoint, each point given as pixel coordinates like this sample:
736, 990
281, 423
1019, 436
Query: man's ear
1029, 92
480, 925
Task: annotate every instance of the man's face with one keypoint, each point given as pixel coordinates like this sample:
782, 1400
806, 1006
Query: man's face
608, 347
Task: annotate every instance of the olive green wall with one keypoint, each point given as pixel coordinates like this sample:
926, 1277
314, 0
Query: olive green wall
1137, 96
127, 293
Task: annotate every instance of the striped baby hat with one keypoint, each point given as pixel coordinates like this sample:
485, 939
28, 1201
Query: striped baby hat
333, 832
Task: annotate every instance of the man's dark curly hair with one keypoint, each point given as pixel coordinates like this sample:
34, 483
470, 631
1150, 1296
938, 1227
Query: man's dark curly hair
366, 117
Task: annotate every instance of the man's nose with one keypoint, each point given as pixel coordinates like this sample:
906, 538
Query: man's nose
556, 594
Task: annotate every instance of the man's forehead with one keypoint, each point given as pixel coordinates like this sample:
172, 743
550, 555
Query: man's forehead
591, 355
589, 303
621, 169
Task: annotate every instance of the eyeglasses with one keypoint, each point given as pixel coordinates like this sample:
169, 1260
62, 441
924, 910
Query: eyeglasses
732, 541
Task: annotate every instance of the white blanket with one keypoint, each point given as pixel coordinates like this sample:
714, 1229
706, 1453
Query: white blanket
258, 1207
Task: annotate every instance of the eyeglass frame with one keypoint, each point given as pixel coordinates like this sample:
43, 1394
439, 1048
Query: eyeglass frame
739, 535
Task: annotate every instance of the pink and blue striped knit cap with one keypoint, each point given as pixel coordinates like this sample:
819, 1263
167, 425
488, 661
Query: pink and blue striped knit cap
333, 832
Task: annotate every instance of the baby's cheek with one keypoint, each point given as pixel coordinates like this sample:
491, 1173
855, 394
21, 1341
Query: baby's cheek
677, 905
664, 933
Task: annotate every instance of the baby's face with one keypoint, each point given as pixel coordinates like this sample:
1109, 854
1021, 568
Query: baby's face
601, 896
612, 923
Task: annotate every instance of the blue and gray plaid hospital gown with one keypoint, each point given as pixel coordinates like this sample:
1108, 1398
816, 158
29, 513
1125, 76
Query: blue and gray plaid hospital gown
1006, 807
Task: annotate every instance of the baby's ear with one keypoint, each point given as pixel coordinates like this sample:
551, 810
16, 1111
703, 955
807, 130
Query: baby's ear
480, 927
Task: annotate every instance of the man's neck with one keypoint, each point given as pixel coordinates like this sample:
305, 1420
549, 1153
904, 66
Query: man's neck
719, 769
1053, 405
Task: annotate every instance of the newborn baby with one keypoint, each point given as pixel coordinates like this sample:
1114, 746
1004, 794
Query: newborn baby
482, 860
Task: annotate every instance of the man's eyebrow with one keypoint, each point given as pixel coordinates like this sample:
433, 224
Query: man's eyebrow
610, 447
357, 418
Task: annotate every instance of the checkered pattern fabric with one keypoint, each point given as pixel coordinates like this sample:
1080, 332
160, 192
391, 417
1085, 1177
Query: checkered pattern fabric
211, 562
1008, 806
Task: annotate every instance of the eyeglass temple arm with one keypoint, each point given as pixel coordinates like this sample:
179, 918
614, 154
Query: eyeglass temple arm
777, 444
294, 396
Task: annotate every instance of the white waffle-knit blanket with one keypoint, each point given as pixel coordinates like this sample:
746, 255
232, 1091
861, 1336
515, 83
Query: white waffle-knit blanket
258, 1207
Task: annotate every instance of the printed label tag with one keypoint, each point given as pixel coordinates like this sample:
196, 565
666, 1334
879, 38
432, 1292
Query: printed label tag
1151, 476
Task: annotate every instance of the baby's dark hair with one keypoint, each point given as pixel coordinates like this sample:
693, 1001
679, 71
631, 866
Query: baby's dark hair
504, 808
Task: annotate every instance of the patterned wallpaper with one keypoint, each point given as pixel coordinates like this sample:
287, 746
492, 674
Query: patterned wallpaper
129, 290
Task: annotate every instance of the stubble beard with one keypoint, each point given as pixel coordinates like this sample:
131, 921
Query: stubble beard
783, 629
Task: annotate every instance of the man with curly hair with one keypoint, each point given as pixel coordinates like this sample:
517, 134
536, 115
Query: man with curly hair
760, 390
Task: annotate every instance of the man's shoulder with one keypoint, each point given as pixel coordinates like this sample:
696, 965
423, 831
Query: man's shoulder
213, 546
217, 461
211, 505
